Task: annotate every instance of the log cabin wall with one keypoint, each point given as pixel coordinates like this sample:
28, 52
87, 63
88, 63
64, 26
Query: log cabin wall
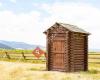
57, 46
67, 48
86, 53
77, 52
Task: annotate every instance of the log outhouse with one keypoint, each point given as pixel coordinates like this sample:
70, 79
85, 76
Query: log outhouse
67, 48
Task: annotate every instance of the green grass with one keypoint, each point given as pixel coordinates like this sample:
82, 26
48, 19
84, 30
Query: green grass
14, 51
38, 69
25, 61
93, 71
16, 55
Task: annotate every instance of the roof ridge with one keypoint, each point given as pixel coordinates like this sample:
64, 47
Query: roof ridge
65, 23
73, 28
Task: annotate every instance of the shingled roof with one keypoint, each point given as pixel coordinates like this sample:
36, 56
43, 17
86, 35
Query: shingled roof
71, 28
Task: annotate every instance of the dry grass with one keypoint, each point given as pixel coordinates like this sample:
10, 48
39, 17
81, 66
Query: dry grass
29, 71
15, 70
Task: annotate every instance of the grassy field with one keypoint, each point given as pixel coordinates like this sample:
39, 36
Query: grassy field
13, 69
29, 71
17, 55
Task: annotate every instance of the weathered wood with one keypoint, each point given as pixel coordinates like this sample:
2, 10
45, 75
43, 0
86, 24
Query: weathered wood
23, 55
86, 53
67, 50
8, 56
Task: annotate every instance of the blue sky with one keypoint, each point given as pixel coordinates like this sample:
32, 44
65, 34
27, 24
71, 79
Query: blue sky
18, 6
25, 20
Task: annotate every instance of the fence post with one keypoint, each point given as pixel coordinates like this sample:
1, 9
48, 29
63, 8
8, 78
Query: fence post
8, 56
23, 55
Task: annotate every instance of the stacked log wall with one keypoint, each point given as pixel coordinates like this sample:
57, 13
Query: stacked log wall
77, 52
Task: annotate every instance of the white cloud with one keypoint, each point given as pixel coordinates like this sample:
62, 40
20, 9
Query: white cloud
0, 4
13, 1
28, 27
19, 27
83, 15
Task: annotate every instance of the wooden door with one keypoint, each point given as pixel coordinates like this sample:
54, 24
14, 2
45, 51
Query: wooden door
58, 55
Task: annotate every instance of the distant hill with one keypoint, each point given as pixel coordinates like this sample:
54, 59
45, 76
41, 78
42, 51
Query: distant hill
21, 45
18, 45
3, 46
94, 50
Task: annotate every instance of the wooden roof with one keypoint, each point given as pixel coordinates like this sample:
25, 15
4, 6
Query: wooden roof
70, 27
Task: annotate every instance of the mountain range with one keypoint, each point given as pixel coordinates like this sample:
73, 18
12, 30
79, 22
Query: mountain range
17, 45
22, 45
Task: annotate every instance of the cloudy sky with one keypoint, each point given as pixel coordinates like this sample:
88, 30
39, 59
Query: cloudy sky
25, 20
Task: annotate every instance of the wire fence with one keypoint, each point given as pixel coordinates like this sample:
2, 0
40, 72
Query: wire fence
92, 58
21, 55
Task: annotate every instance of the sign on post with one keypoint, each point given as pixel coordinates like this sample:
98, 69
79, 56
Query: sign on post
38, 52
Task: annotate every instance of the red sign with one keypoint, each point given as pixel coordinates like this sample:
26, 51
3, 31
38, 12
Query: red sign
38, 52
